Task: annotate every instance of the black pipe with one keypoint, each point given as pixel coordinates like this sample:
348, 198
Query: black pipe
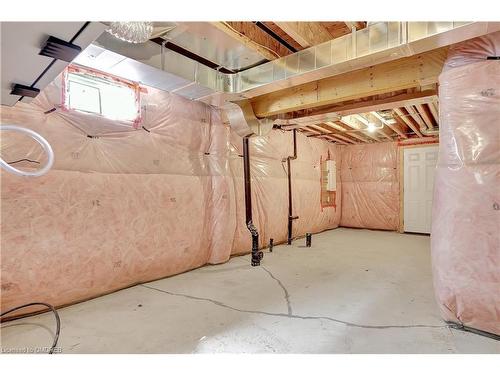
275, 36
193, 56
256, 254
271, 244
291, 218
308, 239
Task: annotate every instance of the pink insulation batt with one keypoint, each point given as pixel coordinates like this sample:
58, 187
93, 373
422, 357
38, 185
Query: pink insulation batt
465, 237
128, 205
370, 186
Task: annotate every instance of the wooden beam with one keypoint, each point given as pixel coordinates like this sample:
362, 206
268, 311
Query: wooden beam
307, 34
372, 103
407, 121
306, 120
410, 72
384, 104
253, 37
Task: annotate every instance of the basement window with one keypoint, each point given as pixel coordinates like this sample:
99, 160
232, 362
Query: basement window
101, 94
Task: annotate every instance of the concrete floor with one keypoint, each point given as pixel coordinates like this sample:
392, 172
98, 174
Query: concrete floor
354, 291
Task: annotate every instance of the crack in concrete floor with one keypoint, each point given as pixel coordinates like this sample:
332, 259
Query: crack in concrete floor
293, 316
287, 295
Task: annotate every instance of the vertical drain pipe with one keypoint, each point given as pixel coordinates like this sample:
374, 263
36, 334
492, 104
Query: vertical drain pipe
256, 254
291, 218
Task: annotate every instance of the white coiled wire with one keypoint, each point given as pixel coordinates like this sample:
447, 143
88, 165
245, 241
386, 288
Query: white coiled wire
42, 141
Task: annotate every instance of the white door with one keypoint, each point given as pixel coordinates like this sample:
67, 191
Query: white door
419, 167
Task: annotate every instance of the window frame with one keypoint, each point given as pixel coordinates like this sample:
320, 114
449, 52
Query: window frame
84, 71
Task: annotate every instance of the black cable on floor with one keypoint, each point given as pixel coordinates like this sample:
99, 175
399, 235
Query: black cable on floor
58, 321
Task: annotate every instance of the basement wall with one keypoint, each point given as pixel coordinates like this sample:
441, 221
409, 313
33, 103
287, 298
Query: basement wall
123, 206
370, 186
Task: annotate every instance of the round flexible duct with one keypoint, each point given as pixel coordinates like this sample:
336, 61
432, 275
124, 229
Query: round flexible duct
42, 141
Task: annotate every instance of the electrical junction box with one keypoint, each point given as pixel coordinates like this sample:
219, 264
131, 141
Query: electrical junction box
331, 179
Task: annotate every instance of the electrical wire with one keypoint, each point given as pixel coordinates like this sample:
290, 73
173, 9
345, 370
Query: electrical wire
56, 315
20, 160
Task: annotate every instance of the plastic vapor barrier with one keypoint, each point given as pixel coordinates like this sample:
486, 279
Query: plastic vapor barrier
370, 186
465, 237
123, 205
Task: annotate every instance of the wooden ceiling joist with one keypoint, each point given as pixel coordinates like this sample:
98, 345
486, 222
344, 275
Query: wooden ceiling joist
355, 124
422, 110
410, 72
344, 138
334, 131
336, 29
416, 116
354, 134
384, 131
434, 110
306, 34
356, 24
395, 127
406, 119
287, 38
321, 133
253, 37
322, 130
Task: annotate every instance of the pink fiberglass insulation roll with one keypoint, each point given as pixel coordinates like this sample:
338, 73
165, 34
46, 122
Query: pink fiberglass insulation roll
465, 237
123, 206
370, 186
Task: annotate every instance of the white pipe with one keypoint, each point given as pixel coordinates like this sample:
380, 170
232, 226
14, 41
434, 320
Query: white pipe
42, 141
